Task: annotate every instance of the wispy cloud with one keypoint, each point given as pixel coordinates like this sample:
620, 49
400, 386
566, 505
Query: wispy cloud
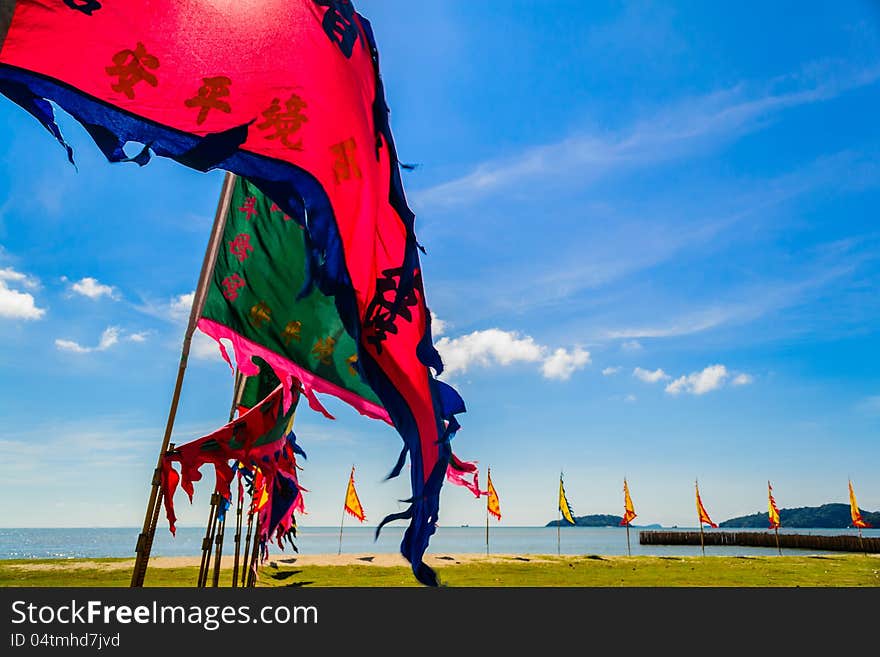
111, 336
175, 310
869, 405
608, 371
669, 134
14, 303
504, 348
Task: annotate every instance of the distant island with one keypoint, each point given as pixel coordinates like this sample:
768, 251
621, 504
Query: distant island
827, 516
595, 520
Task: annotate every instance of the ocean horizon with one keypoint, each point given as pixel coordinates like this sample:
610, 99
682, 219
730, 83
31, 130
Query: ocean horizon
109, 542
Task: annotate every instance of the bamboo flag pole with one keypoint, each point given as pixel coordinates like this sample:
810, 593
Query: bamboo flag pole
238, 514
247, 545
206, 541
145, 538
237, 389
777, 541
487, 530
628, 550
252, 568
215, 580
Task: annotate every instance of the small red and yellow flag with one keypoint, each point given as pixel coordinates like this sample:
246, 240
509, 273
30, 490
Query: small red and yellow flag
701, 510
261, 495
352, 502
629, 511
772, 510
857, 519
493, 506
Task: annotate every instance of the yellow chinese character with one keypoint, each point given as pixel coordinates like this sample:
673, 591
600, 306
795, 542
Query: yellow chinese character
292, 331
260, 314
323, 349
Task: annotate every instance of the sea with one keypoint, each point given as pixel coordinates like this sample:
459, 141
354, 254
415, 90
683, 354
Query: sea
58, 543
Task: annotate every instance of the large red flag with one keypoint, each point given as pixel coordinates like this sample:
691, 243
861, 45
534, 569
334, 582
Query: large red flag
286, 93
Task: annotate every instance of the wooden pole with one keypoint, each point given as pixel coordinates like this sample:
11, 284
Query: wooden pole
237, 388
558, 541
628, 550
862, 542
341, 522
252, 569
247, 547
702, 545
215, 582
777, 541
238, 514
145, 538
487, 530
206, 541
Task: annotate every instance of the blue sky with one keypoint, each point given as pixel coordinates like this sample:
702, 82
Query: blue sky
652, 241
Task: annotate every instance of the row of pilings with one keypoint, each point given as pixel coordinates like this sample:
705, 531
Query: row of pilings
839, 543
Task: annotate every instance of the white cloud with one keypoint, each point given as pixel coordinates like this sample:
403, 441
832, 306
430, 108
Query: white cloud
631, 345
438, 326
742, 379
650, 377
608, 371
497, 347
16, 304
91, 288
138, 337
699, 383
629, 398
109, 338
10, 275
179, 307
561, 364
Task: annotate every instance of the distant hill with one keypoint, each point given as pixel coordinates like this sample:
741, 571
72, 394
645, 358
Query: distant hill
827, 516
595, 520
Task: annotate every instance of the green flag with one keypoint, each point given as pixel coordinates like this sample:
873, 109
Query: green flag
252, 301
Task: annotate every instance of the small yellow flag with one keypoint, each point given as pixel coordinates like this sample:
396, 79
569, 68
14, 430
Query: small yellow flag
564, 507
493, 506
772, 510
352, 502
629, 511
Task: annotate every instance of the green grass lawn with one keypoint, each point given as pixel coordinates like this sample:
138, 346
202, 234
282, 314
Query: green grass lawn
591, 570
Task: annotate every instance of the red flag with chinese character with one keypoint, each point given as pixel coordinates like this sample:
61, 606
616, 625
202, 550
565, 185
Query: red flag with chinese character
701, 511
286, 93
